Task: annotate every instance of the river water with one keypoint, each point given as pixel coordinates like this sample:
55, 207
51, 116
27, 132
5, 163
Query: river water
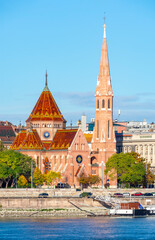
79, 228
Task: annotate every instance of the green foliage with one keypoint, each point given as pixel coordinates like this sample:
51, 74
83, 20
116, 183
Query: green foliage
50, 176
2, 148
38, 177
127, 167
22, 181
13, 164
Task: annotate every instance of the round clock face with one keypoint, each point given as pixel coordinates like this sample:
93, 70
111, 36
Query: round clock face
46, 134
79, 159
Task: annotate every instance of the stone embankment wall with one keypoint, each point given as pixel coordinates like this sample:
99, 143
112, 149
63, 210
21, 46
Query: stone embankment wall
46, 203
62, 198
19, 192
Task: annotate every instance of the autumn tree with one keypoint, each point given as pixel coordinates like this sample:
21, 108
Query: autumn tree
129, 168
50, 176
22, 181
38, 177
89, 180
149, 177
94, 179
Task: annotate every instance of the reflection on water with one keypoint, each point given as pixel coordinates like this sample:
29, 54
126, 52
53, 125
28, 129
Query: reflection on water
89, 228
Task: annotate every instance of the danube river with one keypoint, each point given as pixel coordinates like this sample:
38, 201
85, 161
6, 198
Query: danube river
85, 228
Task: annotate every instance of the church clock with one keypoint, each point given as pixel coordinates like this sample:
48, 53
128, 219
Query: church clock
46, 134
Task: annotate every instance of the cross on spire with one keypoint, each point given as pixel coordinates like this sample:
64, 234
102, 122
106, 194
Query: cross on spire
46, 87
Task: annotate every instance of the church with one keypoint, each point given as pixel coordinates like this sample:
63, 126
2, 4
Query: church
53, 147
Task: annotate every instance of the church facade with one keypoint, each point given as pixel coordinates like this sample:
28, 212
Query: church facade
56, 148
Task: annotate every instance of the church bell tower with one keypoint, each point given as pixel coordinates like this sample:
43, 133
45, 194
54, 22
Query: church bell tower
103, 141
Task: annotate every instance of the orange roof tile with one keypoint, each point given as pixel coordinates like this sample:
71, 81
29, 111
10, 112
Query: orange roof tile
18, 140
63, 139
88, 137
46, 144
32, 141
46, 108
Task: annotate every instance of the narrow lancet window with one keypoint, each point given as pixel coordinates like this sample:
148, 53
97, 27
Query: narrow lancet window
108, 103
103, 103
97, 104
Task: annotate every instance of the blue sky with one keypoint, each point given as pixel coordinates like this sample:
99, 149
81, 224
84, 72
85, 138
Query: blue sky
65, 37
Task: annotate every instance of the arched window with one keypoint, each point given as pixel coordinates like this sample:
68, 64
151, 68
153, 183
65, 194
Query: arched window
97, 104
108, 103
103, 103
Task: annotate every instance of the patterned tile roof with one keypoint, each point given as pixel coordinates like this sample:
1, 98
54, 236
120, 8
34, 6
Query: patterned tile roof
63, 139
32, 141
88, 137
46, 144
46, 108
17, 144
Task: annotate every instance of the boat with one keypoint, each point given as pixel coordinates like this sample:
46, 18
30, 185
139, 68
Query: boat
132, 209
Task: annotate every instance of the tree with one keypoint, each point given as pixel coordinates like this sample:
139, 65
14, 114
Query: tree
89, 180
22, 181
129, 168
5, 173
50, 176
2, 148
150, 177
13, 164
94, 179
38, 177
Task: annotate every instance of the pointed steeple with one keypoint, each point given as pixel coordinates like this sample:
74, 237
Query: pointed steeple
46, 87
104, 81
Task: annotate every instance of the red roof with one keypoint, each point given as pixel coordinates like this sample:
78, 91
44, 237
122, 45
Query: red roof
19, 140
63, 139
46, 144
32, 141
6, 131
46, 108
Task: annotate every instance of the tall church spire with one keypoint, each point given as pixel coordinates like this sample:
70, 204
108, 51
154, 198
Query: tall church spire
103, 141
104, 81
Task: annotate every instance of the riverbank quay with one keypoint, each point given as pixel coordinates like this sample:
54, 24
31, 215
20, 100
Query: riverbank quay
50, 207
63, 202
